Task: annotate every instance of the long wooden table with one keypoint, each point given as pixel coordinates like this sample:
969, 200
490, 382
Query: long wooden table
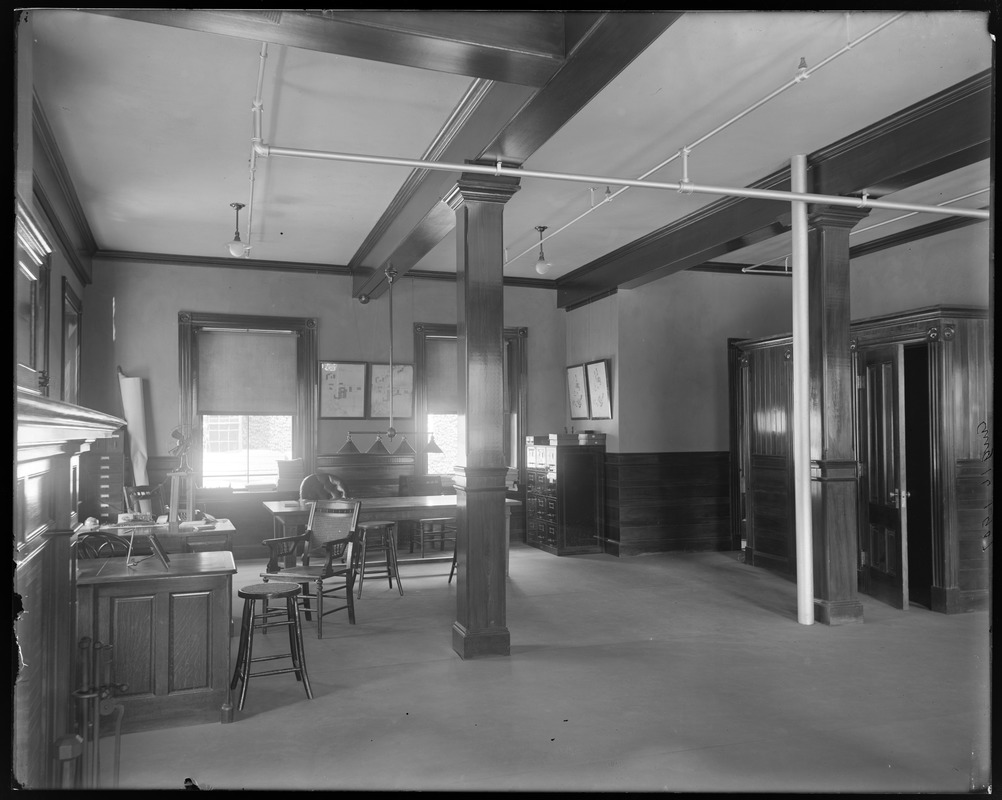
169, 632
290, 516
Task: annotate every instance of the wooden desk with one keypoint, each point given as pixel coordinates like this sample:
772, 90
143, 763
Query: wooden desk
220, 534
290, 516
169, 630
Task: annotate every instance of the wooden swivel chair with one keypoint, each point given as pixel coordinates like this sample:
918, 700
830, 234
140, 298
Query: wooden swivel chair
328, 559
101, 545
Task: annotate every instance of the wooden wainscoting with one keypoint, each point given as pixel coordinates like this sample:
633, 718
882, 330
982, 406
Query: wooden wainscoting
974, 509
658, 502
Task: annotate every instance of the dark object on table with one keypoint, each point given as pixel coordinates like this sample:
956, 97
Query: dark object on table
322, 486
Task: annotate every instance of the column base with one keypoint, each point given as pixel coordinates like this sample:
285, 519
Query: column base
473, 644
838, 612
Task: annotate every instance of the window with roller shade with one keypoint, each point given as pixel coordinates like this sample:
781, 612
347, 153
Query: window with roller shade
249, 388
437, 394
247, 393
442, 420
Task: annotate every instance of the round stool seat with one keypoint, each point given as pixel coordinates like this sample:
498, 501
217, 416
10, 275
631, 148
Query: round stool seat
268, 591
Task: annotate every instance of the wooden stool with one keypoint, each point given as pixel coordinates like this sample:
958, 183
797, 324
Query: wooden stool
441, 528
269, 619
379, 535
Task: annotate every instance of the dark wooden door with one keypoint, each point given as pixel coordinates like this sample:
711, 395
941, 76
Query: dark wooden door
884, 551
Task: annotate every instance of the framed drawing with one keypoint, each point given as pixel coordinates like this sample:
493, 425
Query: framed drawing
577, 392
342, 390
598, 389
379, 390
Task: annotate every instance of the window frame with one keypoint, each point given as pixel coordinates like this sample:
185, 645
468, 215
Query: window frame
34, 375
72, 308
304, 425
515, 338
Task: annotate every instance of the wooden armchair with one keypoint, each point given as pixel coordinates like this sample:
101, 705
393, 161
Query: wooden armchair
331, 544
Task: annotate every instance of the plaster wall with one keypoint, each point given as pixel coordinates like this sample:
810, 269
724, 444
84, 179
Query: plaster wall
949, 269
130, 320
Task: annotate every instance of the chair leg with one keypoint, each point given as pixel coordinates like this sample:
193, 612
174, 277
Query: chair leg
452, 569
305, 597
320, 609
349, 593
361, 566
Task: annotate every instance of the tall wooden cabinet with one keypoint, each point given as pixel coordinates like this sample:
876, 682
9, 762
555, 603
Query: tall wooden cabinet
565, 493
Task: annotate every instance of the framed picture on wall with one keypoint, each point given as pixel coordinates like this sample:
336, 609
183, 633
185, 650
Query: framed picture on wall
342, 389
379, 390
598, 389
577, 392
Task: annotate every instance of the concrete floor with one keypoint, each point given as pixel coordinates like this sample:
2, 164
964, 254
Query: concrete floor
673, 672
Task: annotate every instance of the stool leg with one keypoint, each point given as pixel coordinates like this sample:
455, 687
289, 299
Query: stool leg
452, 569
386, 554
298, 649
391, 557
291, 604
248, 660
245, 622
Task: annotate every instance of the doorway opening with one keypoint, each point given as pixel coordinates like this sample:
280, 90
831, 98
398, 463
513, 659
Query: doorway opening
918, 468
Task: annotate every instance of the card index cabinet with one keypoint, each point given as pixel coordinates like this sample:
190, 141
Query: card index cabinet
565, 493
102, 478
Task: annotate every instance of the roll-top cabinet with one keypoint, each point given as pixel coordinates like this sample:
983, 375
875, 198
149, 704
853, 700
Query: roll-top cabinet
565, 493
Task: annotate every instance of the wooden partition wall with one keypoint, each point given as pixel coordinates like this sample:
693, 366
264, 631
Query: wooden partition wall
954, 344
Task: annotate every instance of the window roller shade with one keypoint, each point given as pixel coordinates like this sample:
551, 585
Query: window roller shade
247, 372
442, 379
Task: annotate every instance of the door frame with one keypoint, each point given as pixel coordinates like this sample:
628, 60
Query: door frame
864, 551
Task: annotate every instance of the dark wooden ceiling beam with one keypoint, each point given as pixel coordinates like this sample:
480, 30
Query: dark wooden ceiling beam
600, 47
523, 48
945, 132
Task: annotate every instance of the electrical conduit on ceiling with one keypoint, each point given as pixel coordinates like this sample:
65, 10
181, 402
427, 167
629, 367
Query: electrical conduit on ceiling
803, 73
684, 187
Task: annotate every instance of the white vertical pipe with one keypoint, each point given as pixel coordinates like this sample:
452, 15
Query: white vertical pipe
801, 399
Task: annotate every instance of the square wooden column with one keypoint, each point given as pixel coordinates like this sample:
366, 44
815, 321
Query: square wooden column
834, 472
480, 628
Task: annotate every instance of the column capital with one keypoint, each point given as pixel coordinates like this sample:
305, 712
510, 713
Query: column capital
836, 216
482, 188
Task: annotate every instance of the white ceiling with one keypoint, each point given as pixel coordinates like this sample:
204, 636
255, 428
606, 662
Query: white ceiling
154, 125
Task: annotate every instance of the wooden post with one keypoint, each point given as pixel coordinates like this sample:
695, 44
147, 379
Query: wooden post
480, 628
834, 469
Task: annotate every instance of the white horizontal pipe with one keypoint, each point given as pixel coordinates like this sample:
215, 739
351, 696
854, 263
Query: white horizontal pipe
688, 188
